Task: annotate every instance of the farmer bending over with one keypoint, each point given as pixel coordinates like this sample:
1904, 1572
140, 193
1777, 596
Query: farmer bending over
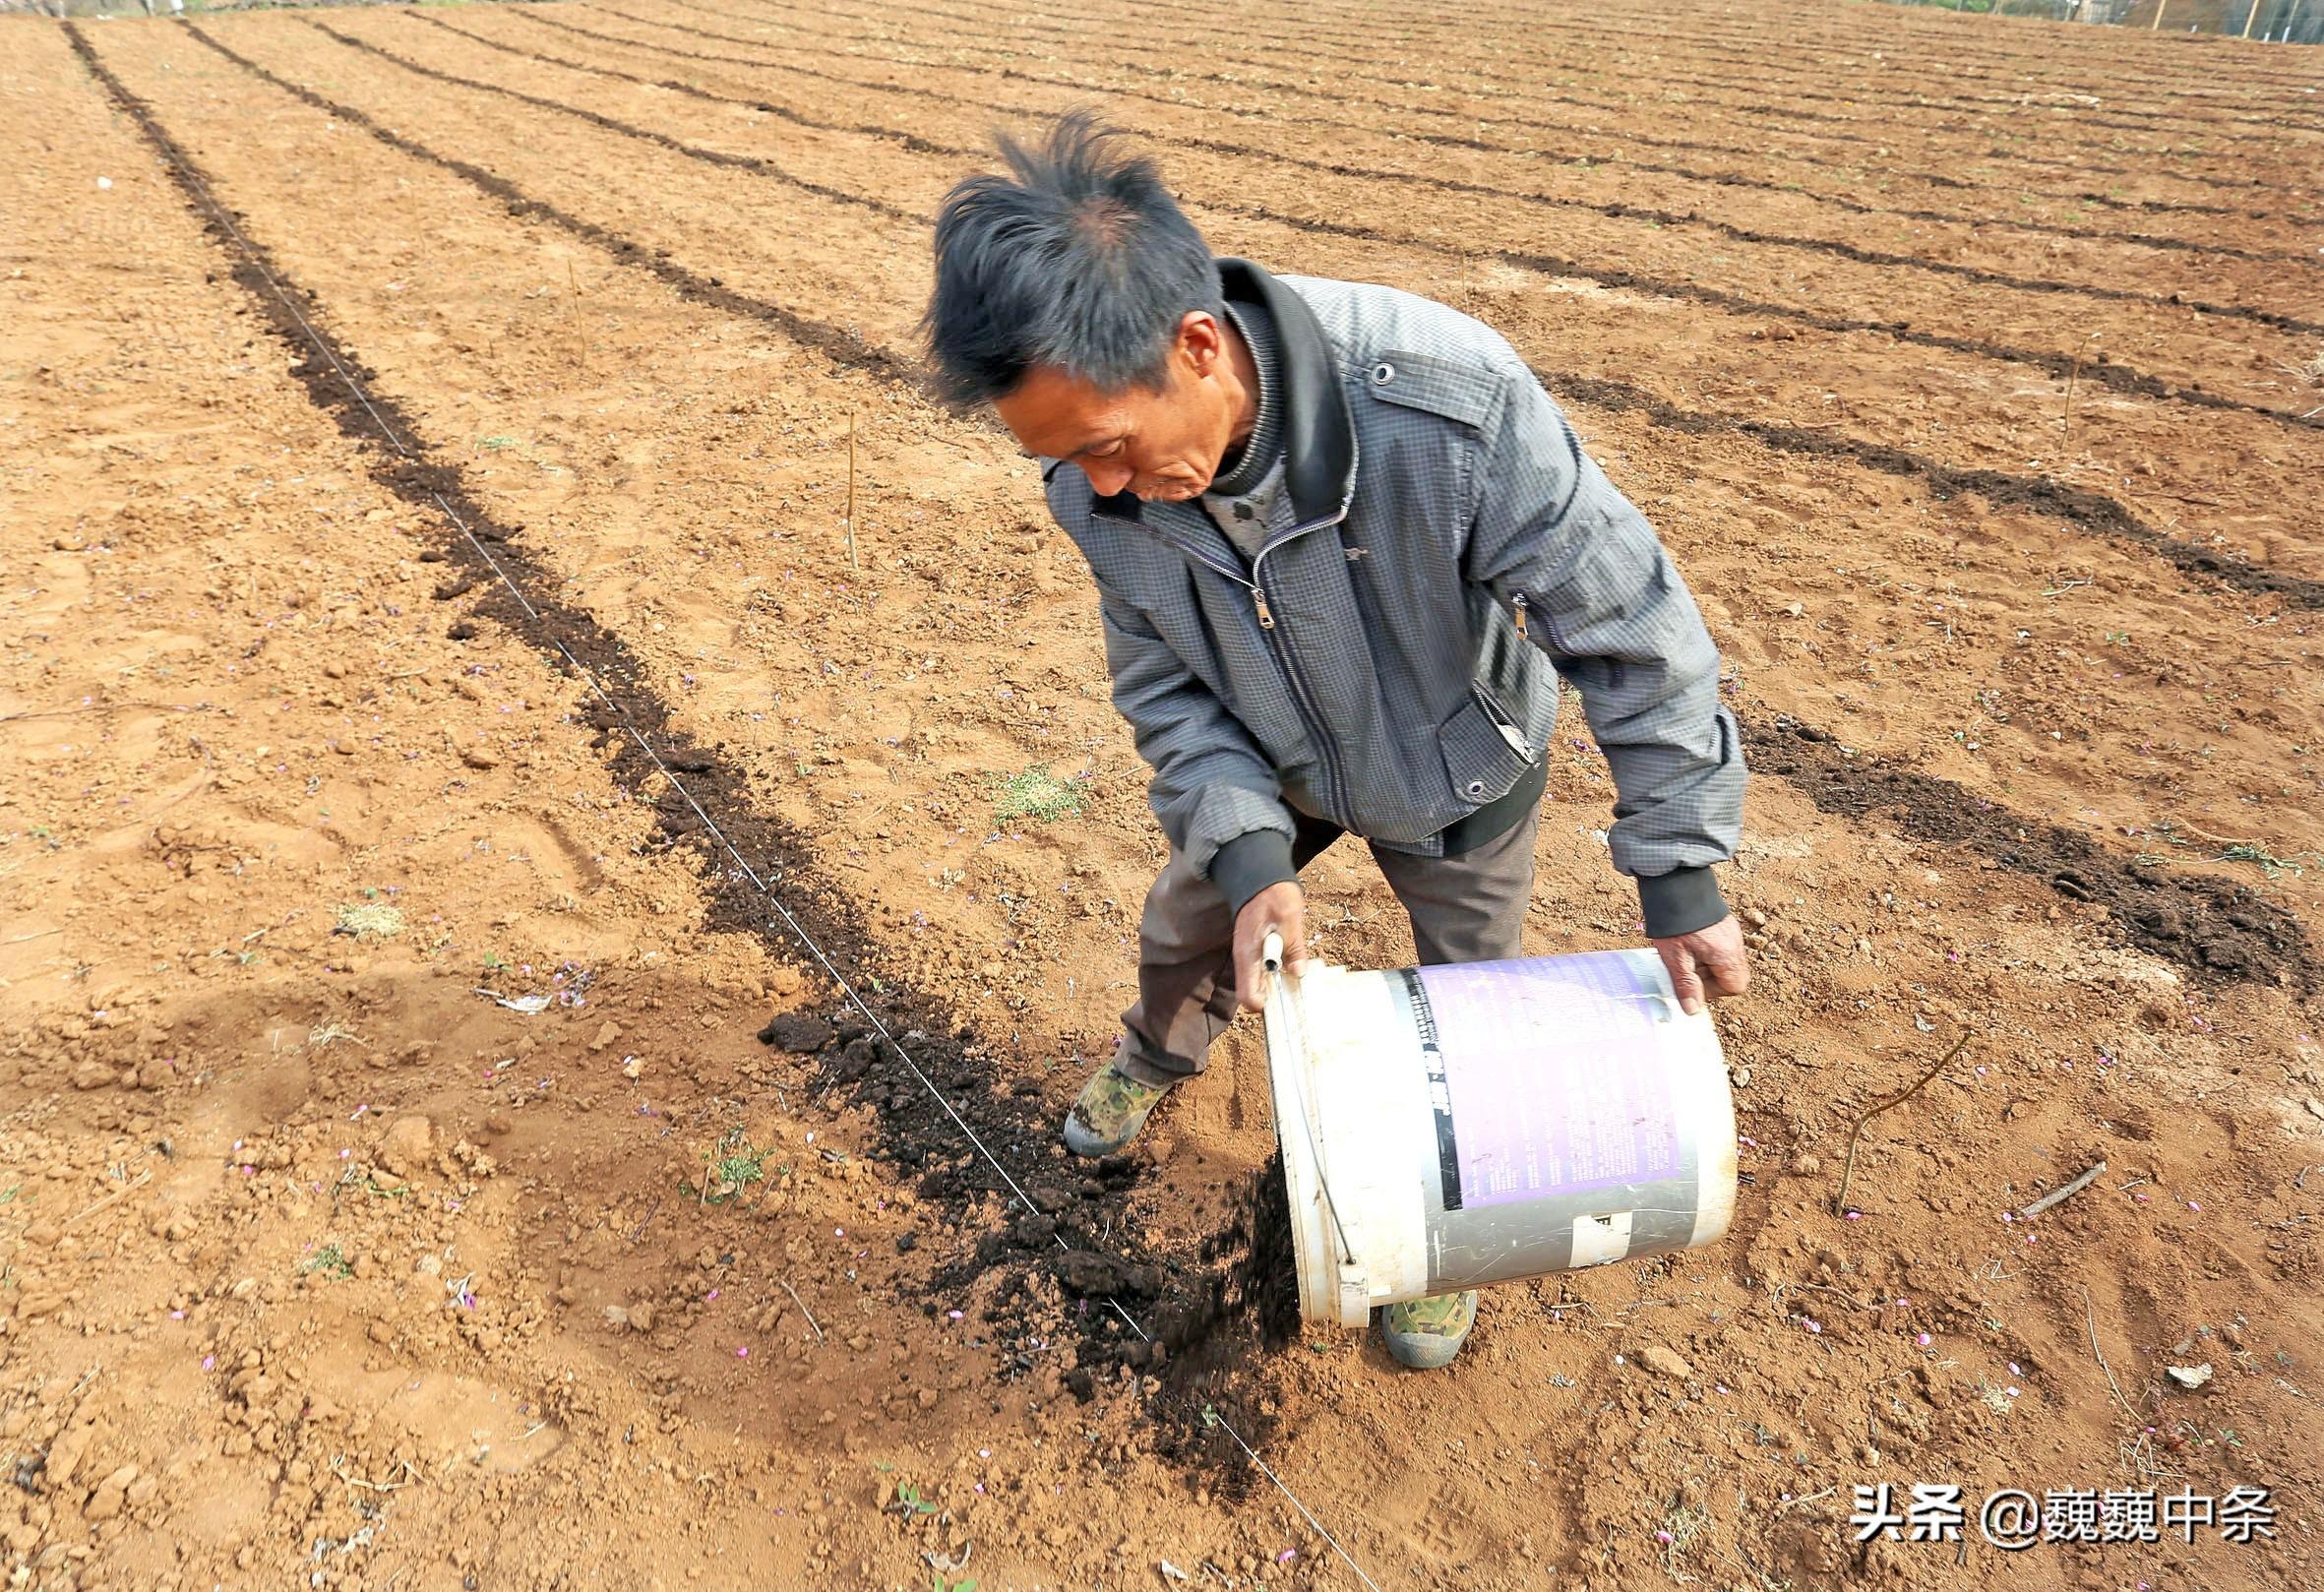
1344, 546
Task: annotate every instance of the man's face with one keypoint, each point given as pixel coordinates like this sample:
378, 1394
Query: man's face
1164, 444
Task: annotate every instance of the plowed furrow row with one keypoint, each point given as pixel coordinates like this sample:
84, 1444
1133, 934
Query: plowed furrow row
2111, 373
1459, 69
2301, 259
1449, 46
713, 813
822, 336
2256, 168
1761, 150
2112, 59
2239, 937
2094, 512
1651, 217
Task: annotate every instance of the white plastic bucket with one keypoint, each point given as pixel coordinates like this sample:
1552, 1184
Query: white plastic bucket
1446, 1127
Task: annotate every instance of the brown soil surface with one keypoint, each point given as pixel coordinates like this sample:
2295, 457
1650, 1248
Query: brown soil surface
1970, 367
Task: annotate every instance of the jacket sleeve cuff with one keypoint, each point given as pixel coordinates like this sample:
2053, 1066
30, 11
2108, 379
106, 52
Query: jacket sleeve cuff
1249, 864
1679, 901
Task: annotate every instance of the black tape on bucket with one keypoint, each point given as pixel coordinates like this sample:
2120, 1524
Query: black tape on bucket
1424, 1025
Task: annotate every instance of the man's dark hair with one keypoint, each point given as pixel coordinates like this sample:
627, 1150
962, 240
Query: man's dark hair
1079, 259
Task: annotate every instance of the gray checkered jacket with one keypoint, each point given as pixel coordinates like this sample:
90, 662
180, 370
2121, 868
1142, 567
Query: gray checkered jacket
1370, 666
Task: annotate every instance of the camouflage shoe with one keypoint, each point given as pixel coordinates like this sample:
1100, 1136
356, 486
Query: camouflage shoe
1425, 1333
1112, 1108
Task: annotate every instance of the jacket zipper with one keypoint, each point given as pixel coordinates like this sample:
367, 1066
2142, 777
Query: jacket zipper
1326, 750
1301, 695
1525, 605
1267, 615
1520, 607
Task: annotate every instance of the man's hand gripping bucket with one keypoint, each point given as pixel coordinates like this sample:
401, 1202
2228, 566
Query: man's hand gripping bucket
1448, 1127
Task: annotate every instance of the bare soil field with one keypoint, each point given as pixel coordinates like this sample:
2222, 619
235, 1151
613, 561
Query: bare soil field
509, 927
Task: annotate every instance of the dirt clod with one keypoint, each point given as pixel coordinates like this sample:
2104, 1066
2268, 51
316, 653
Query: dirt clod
1092, 1274
798, 1033
1663, 1361
403, 1149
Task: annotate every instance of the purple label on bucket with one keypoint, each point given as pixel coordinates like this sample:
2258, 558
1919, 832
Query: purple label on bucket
1543, 1063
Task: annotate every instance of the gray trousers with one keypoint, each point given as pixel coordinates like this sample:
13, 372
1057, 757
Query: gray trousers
1467, 909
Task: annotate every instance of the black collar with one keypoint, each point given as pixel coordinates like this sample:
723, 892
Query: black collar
1318, 431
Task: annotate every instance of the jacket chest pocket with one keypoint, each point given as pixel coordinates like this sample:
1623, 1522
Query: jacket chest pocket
1481, 761
1437, 461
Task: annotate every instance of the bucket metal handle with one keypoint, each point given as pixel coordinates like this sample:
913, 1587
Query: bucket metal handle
1279, 1014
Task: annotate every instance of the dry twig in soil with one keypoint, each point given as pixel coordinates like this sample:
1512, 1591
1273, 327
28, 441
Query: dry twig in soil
142, 1178
2065, 1193
1848, 1167
803, 1310
2090, 1317
851, 561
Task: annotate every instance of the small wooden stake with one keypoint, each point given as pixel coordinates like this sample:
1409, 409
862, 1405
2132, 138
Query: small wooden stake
850, 520
572, 279
2072, 375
